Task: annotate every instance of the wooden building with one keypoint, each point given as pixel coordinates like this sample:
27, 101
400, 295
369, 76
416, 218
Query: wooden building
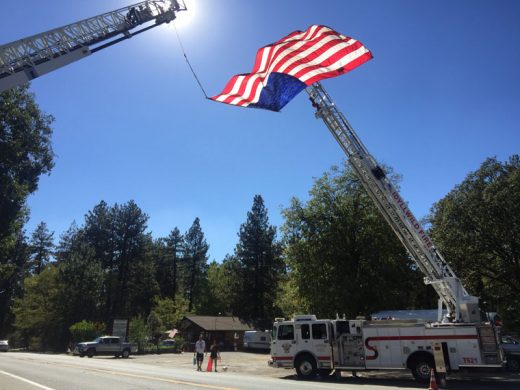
228, 331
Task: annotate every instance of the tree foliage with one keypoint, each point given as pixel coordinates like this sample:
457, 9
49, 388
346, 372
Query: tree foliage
170, 312
86, 331
41, 247
39, 320
155, 326
259, 266
195, 266
138, 332
168, 257
477, 228
117, 236
81, 276
342, 255
222, 284
25, 155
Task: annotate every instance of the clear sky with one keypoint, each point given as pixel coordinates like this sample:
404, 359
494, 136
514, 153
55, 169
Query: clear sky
441, 95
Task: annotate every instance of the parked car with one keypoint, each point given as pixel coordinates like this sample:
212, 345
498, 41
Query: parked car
4, 345
256, 339
511, 348
106, 345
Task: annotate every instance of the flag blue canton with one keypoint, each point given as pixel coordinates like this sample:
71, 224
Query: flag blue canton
279, 91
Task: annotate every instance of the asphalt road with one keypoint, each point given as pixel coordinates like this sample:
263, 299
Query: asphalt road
23, 371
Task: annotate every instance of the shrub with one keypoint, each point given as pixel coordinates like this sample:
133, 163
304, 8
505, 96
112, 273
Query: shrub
86, 331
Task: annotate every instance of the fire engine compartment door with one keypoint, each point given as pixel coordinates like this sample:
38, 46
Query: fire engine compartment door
320, 340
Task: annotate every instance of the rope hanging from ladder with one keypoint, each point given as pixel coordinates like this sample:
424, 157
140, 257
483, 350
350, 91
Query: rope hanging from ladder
188, 62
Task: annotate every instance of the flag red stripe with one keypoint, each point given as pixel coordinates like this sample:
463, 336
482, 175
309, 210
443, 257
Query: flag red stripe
319, 51
351, 65
325, 63
297, 53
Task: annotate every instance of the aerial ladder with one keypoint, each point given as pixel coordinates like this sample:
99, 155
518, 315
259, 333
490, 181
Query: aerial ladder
28, 58
461, 306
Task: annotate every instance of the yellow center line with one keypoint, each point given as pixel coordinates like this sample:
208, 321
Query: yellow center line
153, 378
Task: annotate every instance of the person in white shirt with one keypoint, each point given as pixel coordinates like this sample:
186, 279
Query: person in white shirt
200, 349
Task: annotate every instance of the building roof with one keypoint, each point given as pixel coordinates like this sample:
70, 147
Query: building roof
218, 323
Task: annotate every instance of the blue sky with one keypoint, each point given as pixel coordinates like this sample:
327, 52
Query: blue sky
441, 94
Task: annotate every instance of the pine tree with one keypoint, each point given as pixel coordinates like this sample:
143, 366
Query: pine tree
196, 265
259, 267
41, 247
175, 243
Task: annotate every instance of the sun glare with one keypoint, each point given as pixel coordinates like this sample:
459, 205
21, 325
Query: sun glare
185, 18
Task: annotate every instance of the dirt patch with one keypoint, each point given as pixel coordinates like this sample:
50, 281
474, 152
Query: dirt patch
240, 362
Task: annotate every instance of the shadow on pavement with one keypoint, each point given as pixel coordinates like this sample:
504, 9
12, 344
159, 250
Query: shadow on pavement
459, 381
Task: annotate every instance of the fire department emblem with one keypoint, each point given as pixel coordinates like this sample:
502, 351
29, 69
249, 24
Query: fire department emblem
286, 347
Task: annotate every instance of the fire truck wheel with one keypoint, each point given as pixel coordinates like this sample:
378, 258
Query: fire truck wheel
421, 368
305, 367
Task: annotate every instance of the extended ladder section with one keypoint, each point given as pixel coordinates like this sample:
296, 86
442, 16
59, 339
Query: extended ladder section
28, 58
461, 306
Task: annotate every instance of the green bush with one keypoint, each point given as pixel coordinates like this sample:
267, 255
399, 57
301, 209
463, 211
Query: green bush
86, 331
138, 333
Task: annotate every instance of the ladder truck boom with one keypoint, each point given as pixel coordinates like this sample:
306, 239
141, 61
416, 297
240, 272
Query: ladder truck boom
31, 57
460, 305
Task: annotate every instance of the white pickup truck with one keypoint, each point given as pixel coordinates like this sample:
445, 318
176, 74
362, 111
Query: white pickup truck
105, 345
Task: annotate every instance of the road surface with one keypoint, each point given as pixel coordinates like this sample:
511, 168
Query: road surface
24, 371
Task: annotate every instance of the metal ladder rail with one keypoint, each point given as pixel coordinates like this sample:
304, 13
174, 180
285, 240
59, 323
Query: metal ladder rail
27, 53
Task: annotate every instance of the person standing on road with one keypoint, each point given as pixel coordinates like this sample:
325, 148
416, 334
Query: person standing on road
214, 354
200, 350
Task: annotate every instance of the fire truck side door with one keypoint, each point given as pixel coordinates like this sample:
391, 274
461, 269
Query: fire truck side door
320, 339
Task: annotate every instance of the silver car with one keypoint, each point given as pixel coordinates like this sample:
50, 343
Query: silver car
4, 345
511, 348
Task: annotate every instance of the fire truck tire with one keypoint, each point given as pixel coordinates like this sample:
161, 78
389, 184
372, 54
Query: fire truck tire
421, 368
305, 367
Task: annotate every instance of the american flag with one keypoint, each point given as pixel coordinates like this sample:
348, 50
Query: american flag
285, 68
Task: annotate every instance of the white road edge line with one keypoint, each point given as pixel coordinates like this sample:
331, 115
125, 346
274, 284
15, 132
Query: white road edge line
26, 380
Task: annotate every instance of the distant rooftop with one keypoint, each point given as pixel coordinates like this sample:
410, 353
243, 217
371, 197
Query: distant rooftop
219, 323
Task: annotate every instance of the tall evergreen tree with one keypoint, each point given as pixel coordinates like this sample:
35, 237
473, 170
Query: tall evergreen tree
25, 155
131, 249
175, 245
81, 276
100, 235
117, 235
41, 246
260, 267
196, 266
